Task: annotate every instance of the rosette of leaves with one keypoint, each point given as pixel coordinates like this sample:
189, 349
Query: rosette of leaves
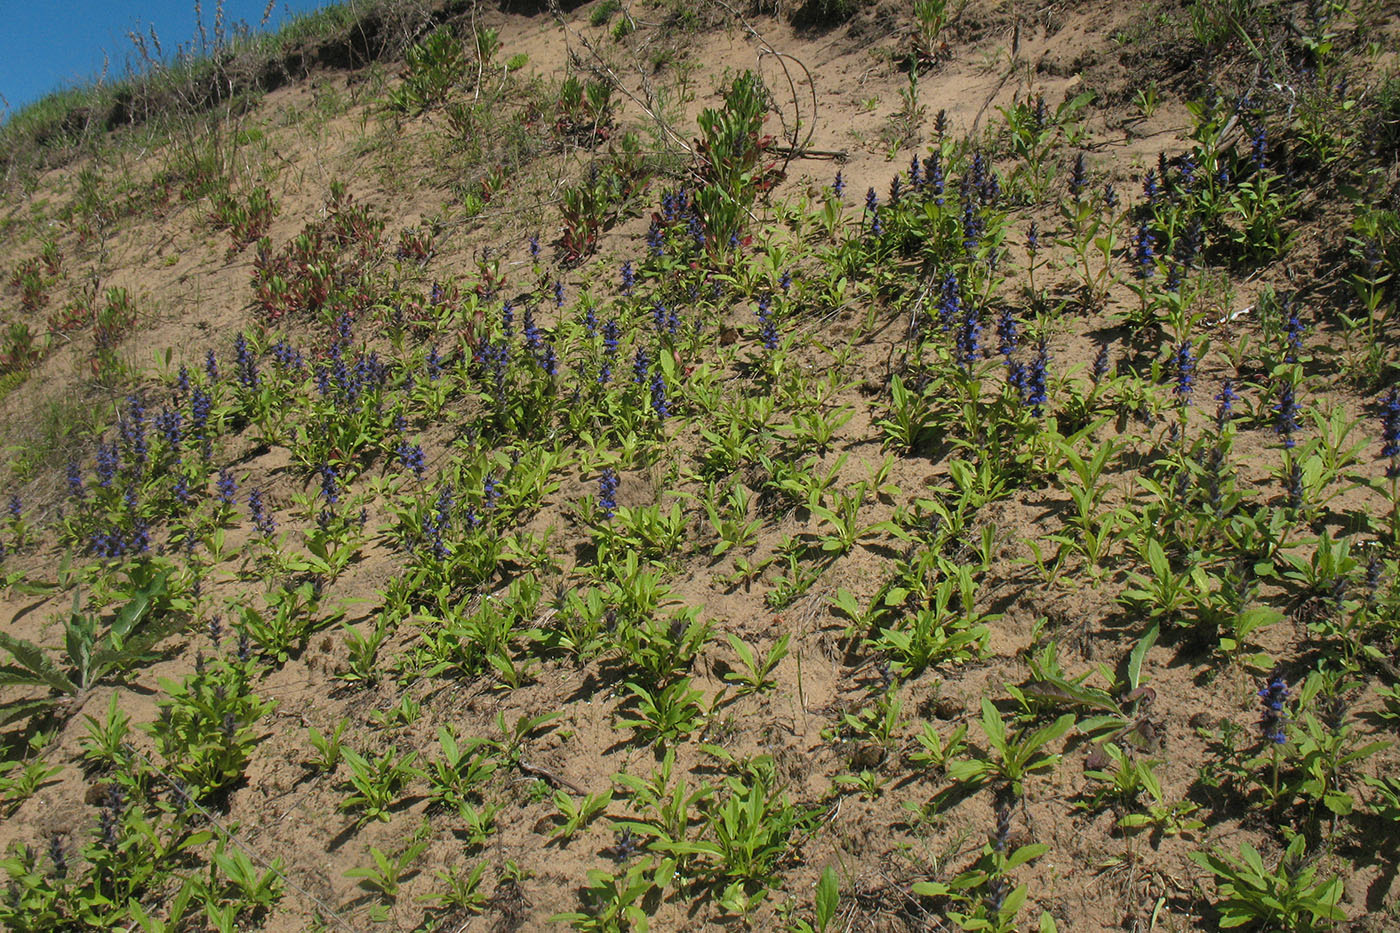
90, 654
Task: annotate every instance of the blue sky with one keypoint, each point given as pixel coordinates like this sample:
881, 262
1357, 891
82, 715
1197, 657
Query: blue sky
49, 44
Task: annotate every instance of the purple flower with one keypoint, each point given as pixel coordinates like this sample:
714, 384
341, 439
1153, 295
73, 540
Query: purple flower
1036, 393
968, 337
1273, 696
1008, 332
641, 365
916, 175
1259, 147
1016, 376
168, 424
767, 329
1101, 363
1294, 334
972, 227
1188, 172
1078, 177
1150, 189
443, 507
133, 430
1184, 363
872, 201
75, 481
330, 487
696, 229
1286, 414
838, 187
607, 492
1143, 253
611, 335
933, 171
107, 462
534, 244
1033, 239
558, 293
261, 521
949, 300
226, 487
1390, 432
411, 456
629, 279
244, 363
211, 367
1227, 399
659, 403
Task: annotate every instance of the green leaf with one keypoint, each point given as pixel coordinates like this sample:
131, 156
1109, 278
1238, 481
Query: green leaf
992, 725
828, 893
1139, 652
1338, 802
37, 668
1025, 854
930, 889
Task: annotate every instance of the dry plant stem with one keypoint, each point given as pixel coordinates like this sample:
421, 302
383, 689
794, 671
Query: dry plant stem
794, 149
617, 82
551, 777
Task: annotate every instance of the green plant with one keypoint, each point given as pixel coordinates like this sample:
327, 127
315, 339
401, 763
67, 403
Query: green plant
434, 65
456, 777
460, 892
1287, 897
389, 869
363, 652
282, 629
747, 830
251, 892
937, 752
755, 677
618, 902
206, 728
20, 780
90, 656
982, 897
826, 899
1017, 754
377, 781
105, 744
666, 715
578, 815
731, 155
730, 519
910, 420
665, 810
328, 748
